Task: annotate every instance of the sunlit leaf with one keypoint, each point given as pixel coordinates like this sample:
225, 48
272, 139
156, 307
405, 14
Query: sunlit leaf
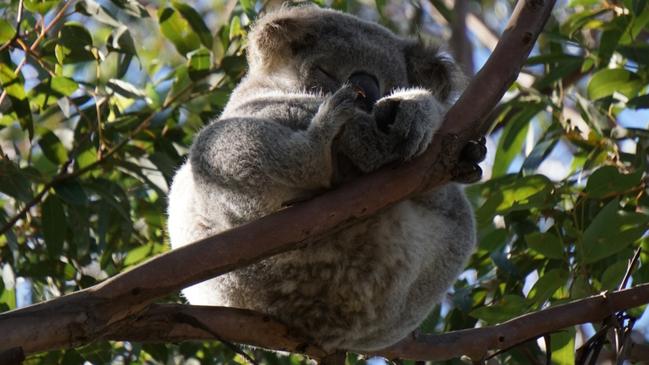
63, 85
7, 31
563, 347
195, 21
608, 81
199, 63
74, 44
178, 30
546, 285
511, 142
53, 148
40, 6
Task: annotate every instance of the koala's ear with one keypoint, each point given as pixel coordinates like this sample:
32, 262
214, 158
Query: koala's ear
278, 36
429, 68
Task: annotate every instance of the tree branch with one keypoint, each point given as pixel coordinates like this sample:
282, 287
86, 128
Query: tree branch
167, 323
87, 315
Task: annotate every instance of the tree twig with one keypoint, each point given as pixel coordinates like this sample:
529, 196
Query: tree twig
160, 323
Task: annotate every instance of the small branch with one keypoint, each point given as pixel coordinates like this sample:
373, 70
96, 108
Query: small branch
19, 19
57, 18
165, 323
168, 323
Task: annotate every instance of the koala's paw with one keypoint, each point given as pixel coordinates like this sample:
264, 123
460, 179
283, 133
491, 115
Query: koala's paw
408, 119
468, 170
342, 106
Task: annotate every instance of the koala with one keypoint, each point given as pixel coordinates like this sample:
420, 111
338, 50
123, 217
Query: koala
328, 97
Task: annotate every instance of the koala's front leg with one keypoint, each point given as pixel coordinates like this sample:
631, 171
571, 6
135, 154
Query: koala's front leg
241, 153
401, 127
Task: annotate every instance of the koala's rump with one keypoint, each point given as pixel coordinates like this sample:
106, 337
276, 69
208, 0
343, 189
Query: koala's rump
363, 288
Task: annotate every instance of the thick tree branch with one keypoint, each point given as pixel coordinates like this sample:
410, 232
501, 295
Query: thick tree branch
168, 323
87, 315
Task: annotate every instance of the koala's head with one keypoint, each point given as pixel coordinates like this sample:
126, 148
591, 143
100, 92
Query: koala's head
320, 49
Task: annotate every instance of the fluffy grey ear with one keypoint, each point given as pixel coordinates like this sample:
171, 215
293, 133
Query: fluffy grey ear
278, 36
433, 70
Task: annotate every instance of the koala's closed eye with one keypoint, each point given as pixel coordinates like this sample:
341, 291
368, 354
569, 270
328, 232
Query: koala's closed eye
322, 80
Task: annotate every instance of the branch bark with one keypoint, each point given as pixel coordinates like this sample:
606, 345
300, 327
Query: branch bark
89, 314
169, 323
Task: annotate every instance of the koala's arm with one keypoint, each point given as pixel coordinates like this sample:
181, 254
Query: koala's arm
252, 155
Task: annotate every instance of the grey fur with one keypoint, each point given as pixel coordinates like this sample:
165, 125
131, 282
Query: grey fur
292, 129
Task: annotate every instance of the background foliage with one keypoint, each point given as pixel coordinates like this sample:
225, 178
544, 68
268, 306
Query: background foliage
100, 99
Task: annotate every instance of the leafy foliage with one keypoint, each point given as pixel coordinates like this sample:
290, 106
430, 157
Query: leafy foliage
100, 99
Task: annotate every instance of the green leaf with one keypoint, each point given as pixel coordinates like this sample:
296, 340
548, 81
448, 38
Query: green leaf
539, 153
235, 28
195, 21
638, 53
511, 142
639, 102
54, 225
547, 285
247, 5
74, 44
86, 157
14, 182
547, 244
11, 83
126, 89
608, 81
64, 85
613, 275
53, 148
610, 38
513, 193
608, 181
563, 347
7, 31
8, 297
611, 231
199, 63
178, 30
40, 6
132, 8
71, 192
636, 26
137, 255
122, 42
507, 308
95, 10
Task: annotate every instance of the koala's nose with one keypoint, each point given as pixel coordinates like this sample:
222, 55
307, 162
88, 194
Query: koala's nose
368, 89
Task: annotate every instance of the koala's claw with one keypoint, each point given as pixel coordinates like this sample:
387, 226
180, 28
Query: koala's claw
468, 170
467, 173
474, 151
367, 89
385, 114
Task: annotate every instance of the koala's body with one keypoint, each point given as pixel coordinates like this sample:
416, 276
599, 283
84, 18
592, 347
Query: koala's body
327, 97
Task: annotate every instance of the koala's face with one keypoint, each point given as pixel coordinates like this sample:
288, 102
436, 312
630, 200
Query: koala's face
320, 49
